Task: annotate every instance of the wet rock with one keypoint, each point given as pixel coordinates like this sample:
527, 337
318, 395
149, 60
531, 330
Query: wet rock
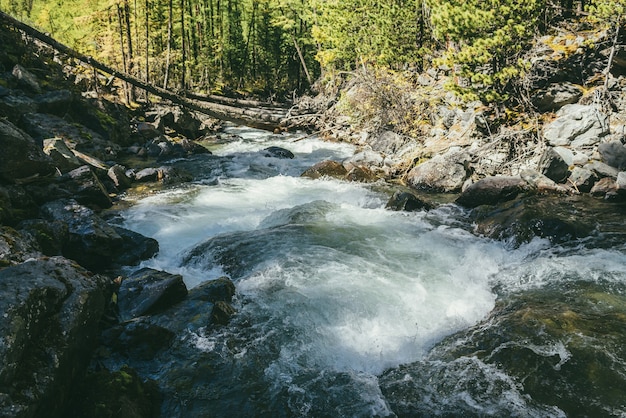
135, 247
61, 154
214, 290
614, 154
577, 126
147, 130
407, 201
367, 158
520, 220
147, 175
163, 148
120, 393
92, 242
26, 79
222, 312
16, 204
361, 174
492, 190
21, 156
443, 173
49, 235
555, 96
553, 166
193, 148
50, 310
541, 184
278, 152
139, 339
332, 169
149, 291
86, 188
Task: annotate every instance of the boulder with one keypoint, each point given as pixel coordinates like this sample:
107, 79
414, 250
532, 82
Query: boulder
366, 158
16, 247
50, 312
56, 102
61, 154
605, 187
148, 291
388, 142
327, 168
601, 169
407, 201
16, 104
147, 175
26, 79
49, 235
85, 187
135, 247
613, 153
214, 290
118, 176
361, 174
443, 173
552, 165
578, 126
492, 190
92, 242
179, 120
582, 179
21, 156
555, 96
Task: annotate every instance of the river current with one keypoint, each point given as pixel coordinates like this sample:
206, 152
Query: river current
345, 308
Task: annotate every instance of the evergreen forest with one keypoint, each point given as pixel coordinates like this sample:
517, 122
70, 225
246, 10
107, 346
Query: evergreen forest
279, 48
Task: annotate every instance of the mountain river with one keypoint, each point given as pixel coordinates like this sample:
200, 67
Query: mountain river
345, 308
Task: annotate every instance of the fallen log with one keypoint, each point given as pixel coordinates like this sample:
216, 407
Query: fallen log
263, 118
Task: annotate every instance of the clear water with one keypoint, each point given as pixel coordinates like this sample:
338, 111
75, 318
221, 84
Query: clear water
348, 309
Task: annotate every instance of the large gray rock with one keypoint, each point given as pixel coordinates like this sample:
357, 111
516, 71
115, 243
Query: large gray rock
328, 168
21, 156
86, 188
578, 126
552, 165
614, 154
61, 154
443, 173
26, 79
50, 311
582, 179
16, 247
555, 96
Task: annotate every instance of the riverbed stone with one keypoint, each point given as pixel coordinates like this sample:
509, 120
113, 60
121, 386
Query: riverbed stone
582, 179
605, 187
553, 166
602, 169
278, 152
148, 291
86, 187
117, 174
407, 201
63, 157
327, 168
16, 247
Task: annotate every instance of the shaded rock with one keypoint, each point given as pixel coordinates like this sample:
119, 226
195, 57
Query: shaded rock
85, 187
541, 184
61, 154
578, 126
193, 148
492, 190
26, 79
556, 96
582, 179
552, 165
56, 102
614, 154
147, 130
278, 152
332, 169
16, 247
121, 394
16, 104
139, 339
388, 142
179, 120
91, 241
366, 158
50, 310
135, 247
147, 175
117, 174
16, 204
21, 156
163, 148
620, 183
408, 202
49, 235
148, 291
443, 173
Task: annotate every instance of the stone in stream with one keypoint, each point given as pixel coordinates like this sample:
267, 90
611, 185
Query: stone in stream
492, 190
327, 168
278, 152
443, 173
407, 201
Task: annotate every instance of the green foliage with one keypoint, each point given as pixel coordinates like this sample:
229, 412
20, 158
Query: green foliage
607, 10
484, 41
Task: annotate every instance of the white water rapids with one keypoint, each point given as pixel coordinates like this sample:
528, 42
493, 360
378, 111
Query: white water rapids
335, 282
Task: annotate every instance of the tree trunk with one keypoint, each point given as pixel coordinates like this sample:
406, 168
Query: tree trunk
183, 81
147, 79
129, 39
121, 32
169, 43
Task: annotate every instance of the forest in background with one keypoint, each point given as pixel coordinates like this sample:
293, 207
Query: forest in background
279, 48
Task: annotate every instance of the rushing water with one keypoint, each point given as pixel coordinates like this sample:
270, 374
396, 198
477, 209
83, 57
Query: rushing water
348, 309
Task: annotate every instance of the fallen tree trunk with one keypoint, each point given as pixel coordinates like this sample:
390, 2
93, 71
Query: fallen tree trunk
262, 118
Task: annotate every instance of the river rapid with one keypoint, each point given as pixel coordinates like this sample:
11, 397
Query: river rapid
345, 308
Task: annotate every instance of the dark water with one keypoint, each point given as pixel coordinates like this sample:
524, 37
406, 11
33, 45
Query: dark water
348, 309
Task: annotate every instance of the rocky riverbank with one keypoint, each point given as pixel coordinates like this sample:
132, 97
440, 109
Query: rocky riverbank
70, 152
